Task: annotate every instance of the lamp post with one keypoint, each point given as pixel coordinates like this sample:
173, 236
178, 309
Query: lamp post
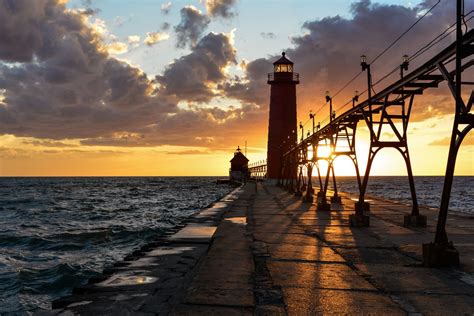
404, 65
312, 116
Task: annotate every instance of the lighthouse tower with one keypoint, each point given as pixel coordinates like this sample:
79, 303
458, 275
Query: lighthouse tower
282, 122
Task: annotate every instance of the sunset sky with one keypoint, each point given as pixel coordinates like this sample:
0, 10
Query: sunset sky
153, 87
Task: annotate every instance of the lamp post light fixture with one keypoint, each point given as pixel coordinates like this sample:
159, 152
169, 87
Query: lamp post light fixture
366, 67
312, 116
355, 98
404, 65
363, 62
302, 131
329, 99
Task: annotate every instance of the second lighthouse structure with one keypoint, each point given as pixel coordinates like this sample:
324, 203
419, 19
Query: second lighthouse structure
282, 121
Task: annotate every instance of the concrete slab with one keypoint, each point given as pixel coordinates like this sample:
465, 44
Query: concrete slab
195, 233
192, 310
262, 251
303, 253
219, 296
308, 301
316, 275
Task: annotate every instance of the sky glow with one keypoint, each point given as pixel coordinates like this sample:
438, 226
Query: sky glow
151, 87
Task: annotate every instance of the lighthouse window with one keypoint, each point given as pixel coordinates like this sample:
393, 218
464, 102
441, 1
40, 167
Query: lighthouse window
283, 68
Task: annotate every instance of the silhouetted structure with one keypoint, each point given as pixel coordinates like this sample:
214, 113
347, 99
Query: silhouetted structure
282, 121
387, 112
239, 166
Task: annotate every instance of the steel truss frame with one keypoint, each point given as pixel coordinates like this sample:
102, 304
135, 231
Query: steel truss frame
391, 109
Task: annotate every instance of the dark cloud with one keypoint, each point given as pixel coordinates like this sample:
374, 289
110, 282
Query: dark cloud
328, 55
191, 77
192, 25
213, 128
64, 84
89, 9
78, 91
253, 88
58, 81
267, 35
165, 26
221, 8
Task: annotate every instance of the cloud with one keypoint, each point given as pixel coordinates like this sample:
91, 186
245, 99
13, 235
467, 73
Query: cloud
14, 153
165, 26
119, 21
193, 76
327, 55
154, 37
212, 128
89, 10
133, 39
192, 25
65, 85
48, 143
267, 35
253, 88
468, 141
117, 48
58, 81
189, 152
166, 7
220, 8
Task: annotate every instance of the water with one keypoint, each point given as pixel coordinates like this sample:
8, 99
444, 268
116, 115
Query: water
428, 190
58, 232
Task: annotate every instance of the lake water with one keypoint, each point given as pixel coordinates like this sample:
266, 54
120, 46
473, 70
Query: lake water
58, 232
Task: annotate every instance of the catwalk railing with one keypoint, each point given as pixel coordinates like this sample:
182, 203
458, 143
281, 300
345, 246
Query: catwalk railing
258, 169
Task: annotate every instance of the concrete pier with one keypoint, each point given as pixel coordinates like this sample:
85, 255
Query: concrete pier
262, 251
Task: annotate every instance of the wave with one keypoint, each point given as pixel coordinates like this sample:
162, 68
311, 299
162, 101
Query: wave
63, 230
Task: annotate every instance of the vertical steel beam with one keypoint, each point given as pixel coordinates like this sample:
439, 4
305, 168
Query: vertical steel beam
319, 177
309, 188
441, 236
415, 210
442, 252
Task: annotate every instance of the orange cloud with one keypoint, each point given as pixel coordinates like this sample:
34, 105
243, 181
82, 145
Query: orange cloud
468, 141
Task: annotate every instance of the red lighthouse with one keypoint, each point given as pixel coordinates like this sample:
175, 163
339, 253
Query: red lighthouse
282, 122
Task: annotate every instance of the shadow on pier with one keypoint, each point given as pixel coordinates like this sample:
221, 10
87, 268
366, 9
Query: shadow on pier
264, 251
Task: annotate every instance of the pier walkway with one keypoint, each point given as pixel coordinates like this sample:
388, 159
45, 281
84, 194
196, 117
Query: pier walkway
262, 251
